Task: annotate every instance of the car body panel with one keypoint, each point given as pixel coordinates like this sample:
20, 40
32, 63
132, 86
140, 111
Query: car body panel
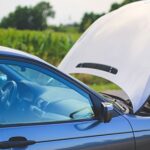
76, 135
141, 129
92, 134
117, 142
116, 47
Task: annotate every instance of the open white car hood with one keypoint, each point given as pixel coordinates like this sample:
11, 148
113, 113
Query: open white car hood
117, 47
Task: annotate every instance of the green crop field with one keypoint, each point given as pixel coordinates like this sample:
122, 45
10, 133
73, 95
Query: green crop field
50, 46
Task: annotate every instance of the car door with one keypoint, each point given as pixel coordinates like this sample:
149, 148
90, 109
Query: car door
42, 109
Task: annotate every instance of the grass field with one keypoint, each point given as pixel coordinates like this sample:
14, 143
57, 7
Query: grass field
50, 46
104, 87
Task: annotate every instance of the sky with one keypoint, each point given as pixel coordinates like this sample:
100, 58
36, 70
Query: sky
67, 11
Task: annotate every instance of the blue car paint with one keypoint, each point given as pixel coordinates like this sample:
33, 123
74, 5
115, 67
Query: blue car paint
76, 135
141, 130
123, 132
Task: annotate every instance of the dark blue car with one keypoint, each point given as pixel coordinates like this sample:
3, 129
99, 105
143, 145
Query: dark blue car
42, 108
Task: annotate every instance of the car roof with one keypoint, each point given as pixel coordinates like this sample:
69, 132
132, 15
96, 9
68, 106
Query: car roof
18, 53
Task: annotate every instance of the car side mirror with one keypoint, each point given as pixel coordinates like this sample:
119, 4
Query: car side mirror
107, 111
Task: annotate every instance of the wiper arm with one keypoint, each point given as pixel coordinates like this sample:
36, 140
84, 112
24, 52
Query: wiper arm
116, 101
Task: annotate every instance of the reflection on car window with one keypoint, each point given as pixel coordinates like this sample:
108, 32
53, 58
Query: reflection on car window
35, 76
30, 74
3, 78
32, 94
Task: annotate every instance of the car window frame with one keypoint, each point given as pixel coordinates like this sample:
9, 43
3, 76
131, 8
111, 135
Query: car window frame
94, 97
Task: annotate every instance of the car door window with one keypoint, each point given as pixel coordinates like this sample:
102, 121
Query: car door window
32, 94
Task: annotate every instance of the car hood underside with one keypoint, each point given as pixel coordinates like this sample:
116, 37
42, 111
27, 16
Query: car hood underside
117, 48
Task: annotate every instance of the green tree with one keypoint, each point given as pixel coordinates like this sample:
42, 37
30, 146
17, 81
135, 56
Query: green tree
29, 17
115, 6
87, 20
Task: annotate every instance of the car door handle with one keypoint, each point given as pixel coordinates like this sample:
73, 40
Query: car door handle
15, 142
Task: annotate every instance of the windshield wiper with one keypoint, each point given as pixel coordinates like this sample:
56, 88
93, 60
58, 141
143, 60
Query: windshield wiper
117, 101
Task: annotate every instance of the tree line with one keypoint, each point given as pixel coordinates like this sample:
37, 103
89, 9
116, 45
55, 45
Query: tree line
89, 18
35, 18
